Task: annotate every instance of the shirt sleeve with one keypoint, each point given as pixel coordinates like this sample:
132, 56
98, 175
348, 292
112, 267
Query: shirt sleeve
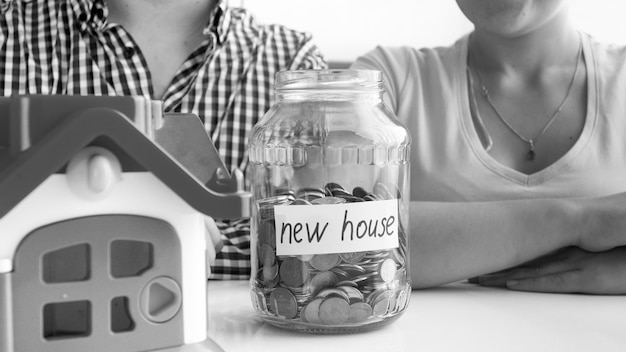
308, 57
391, 62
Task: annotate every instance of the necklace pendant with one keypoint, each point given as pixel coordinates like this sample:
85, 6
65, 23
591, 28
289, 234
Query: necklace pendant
531, 153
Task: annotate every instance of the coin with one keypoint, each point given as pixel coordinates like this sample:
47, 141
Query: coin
333, 292
370, 197
381, 303
310, 193
351, 199
322, 280
334, 310
258, 299
285, 192
311, 312
388, 270
300, 201
347, 283
267, 234
293, 272
266, 255
380, 190
266, 206
328, 200
352, 257
359, 311
306, 257
340, 272
269, 273
340, 192
354, 269
324, 262
403, 299
359, 192
308, 189
283, 303
333, 185
378, 254
354, 295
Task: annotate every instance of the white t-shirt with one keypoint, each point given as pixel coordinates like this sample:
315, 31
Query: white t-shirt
427, 89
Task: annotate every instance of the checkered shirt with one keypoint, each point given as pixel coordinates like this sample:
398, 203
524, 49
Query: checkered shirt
68, 47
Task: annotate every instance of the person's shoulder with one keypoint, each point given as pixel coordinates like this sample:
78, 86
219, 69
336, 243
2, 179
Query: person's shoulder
245, 20
36, 13
283, 47
4, 6
608, 58
606, 49
405, 55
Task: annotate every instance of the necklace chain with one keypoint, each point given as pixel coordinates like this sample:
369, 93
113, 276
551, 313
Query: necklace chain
531, 141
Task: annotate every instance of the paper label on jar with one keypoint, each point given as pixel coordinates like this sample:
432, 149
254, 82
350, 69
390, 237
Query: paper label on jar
336, 228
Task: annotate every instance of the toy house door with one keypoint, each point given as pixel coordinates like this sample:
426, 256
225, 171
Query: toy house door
99, 283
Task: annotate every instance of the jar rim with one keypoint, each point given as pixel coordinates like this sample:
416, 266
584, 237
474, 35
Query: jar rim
339, 79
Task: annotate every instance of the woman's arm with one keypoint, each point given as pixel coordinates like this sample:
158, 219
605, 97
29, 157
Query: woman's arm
568, 270
454, 241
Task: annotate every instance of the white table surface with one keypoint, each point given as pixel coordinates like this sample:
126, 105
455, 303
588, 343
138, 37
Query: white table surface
457, 317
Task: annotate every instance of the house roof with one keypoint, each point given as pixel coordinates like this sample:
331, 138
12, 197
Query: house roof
21, 171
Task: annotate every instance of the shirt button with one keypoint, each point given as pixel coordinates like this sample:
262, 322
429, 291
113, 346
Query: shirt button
129, 52
99, 13
82, 17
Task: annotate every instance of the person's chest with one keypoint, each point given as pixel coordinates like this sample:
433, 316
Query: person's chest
530, 129
165, 54
449, 162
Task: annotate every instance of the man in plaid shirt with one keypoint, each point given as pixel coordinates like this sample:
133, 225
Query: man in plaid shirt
199, 57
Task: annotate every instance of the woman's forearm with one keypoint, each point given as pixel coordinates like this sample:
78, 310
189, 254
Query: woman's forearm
454, 241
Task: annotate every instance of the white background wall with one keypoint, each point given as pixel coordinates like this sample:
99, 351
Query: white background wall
345, 29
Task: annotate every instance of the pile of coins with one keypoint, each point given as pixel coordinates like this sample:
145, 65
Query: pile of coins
328, 289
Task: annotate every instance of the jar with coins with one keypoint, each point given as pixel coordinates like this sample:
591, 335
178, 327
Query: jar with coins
329, 173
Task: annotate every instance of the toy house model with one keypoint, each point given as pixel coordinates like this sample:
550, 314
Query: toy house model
102, 208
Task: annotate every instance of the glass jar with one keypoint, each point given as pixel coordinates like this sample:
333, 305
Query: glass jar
329, 167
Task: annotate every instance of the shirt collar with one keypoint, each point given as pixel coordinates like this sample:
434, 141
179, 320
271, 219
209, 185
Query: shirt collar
5, 5
94, 13
89, 13
219, 21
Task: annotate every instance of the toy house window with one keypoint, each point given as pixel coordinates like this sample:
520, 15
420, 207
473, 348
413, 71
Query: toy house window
130, 258
121, 320
67, 319
67, 264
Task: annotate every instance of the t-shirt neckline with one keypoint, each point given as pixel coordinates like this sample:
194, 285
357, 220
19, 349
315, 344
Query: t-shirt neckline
492, 164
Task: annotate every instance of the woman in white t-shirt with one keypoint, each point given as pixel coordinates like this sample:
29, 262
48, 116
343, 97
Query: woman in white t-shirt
518, 151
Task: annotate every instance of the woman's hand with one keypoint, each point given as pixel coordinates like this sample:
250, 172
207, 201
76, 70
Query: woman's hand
570, 270
601, 223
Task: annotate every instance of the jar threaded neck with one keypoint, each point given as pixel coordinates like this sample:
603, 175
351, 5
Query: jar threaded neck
329, 80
